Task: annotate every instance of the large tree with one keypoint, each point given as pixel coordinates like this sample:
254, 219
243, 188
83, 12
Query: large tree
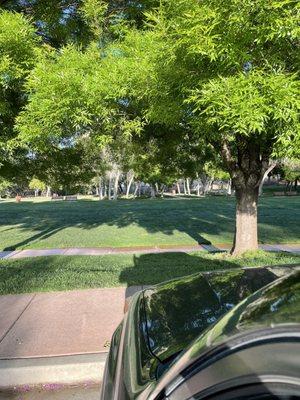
222, 74
230, 72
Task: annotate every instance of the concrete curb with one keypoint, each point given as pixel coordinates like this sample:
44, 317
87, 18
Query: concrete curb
97, 251
49, 372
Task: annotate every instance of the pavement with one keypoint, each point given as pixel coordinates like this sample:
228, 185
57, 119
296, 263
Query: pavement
59, 337
72, 393
96, 251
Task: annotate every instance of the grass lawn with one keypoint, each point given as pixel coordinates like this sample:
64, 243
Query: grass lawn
81, 272
87, 223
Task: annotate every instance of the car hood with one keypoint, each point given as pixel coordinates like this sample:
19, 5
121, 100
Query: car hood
178, 311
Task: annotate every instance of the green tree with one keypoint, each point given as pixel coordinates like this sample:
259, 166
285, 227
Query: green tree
18, 44
230, 72
4, 187
36, 185
290, 171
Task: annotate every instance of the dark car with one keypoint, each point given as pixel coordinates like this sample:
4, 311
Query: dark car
226, 335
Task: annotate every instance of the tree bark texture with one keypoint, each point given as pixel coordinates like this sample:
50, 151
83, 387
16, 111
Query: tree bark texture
247, 168
246, 221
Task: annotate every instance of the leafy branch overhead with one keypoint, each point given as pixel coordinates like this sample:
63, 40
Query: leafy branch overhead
174, 86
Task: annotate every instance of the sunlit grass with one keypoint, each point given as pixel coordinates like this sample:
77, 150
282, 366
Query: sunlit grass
86, 223
82, 272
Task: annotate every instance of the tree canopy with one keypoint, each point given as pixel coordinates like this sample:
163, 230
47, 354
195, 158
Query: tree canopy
187, 86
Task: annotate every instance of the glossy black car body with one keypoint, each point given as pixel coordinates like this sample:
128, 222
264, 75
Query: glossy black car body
204, 334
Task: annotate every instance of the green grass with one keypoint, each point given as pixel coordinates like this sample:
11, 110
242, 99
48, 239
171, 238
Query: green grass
86, 223
81, 272
269, 190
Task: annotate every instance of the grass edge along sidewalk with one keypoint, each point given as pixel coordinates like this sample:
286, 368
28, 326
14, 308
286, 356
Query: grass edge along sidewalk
60, 273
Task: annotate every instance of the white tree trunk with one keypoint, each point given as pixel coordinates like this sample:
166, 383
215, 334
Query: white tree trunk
178, 188
207, 185
116, 185
129, 183
48, 192
229, 188
100, 189
109, 186
129, 179
198, 188
260, 190
188, 187
184, 186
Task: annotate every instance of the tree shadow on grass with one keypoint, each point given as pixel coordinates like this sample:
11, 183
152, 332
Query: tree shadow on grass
43, 220
44, 234
151, 269
58, 273
200, 219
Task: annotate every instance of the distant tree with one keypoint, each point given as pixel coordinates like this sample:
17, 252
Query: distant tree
36, 185
291, 173
4, 187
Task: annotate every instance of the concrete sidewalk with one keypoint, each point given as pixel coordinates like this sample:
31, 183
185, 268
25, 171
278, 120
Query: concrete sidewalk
58, 337
96, 251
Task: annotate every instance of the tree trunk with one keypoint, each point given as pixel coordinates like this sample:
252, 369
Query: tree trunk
48, 193
184, 186
207, 185
100, 193
247, 168
109, 186
245, 237
260, 190
178, 188
135, 190
116, 185
198, 188
229, 188
188, 188
152, 192
129, 185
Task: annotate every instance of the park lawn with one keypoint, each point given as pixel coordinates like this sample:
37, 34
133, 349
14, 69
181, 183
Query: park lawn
59, 273
126, 223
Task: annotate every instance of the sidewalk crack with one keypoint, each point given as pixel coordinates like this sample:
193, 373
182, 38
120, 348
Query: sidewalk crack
17, 319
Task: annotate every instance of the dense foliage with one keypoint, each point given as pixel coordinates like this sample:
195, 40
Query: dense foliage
159, 90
